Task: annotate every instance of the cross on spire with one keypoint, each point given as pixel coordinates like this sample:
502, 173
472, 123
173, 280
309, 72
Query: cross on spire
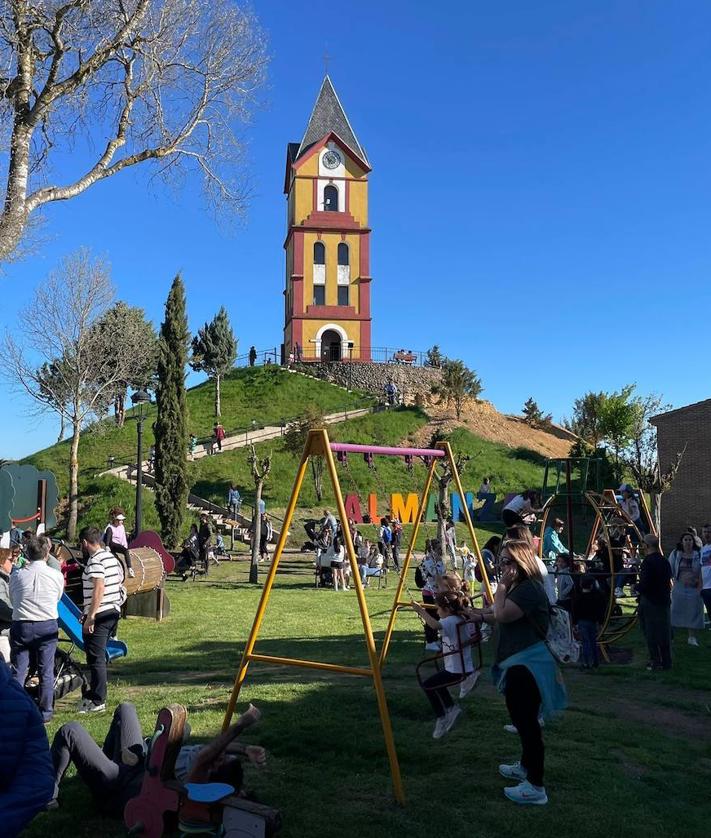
326, 59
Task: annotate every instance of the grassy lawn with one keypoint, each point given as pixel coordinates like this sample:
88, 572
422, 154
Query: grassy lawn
631, 756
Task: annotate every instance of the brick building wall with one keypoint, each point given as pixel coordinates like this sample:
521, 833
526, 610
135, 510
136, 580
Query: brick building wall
688, 502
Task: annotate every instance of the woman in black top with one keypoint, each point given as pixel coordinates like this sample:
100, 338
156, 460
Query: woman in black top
521, 611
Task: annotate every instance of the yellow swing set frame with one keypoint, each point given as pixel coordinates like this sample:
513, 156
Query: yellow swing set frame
318, 444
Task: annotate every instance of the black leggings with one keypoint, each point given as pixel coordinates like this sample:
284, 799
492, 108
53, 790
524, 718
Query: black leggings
435, 688
120, 550
523, 701
431, 635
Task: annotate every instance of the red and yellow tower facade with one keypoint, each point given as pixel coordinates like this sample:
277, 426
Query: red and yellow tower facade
327, 293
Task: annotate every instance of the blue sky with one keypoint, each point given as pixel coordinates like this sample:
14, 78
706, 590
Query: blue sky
539, 195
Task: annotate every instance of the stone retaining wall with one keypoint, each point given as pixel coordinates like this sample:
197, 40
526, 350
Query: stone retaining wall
412, 382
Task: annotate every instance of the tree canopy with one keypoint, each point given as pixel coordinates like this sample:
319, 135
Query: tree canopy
214, 350
457, 384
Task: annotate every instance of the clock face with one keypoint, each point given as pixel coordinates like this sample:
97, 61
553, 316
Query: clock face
331, 159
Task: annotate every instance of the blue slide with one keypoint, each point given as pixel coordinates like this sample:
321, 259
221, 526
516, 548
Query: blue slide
70, 623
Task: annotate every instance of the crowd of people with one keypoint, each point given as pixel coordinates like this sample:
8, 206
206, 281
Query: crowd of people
527, 581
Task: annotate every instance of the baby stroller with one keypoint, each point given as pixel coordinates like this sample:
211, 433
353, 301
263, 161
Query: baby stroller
68, 674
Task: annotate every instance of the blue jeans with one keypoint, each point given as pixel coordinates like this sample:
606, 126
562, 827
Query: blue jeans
40, 638
588, 635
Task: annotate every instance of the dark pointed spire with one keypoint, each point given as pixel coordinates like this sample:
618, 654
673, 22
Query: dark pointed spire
328, 115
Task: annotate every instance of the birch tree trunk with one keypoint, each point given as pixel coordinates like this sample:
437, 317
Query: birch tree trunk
218, 399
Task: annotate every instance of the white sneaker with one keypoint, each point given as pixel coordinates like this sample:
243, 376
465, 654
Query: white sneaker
514, 729
433, 647
83, 705
452, 715
440, 727
693, 641
514, 771
469, 683
526, 793
94, 708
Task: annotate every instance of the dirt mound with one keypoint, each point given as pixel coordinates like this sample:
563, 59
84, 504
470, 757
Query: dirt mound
484, 420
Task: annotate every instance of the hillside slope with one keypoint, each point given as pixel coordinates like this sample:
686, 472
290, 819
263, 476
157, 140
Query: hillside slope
485, 421
266, 395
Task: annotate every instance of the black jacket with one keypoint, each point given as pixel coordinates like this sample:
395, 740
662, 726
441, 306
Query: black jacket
655, 579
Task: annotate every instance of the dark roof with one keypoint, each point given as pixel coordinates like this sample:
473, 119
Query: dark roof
328, 115
705, 404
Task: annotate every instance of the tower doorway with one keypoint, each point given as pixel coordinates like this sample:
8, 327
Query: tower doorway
331, 346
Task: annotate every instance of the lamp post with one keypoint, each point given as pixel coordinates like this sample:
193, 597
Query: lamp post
139, 399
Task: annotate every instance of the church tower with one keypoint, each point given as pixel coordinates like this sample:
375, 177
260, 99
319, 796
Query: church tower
327, 294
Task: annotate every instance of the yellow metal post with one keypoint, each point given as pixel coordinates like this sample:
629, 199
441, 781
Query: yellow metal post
397, 603
367, 628
266, 591
446, 447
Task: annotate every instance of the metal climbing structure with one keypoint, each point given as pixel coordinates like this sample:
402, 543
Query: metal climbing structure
572, 490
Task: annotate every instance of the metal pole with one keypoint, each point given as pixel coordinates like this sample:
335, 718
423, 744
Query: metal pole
569, 491
397, 602
139, 474
377, 675
266, 591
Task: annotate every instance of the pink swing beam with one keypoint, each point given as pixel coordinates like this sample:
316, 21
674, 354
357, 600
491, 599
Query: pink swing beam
351, 448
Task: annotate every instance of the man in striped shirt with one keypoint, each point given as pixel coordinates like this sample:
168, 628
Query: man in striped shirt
102, 583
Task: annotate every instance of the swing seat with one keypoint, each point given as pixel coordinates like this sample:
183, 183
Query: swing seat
467, 639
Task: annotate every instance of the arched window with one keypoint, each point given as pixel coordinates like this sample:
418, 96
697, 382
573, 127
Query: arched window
343, 254
319, 253
330, 198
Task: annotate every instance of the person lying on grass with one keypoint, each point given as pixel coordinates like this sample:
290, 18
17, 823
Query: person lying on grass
114, 772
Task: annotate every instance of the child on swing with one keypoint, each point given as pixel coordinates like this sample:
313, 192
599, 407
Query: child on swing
458, 666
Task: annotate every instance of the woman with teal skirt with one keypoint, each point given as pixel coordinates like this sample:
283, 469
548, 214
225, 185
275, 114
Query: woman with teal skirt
524, 671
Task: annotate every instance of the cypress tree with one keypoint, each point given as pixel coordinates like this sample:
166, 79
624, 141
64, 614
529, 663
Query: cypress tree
214, 352
171, 428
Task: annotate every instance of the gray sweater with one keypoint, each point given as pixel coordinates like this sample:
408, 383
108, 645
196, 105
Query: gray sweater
5, 604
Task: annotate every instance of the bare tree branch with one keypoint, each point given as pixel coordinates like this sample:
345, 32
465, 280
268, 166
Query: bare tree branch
159, 81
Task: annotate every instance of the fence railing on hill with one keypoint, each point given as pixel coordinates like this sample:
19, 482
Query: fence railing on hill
334, 354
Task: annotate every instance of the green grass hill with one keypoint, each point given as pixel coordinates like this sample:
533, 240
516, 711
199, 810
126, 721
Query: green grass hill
267, 395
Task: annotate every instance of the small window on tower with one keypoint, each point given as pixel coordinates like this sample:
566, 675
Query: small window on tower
343, 254
319, 253
320, 295
330, 198
342, 295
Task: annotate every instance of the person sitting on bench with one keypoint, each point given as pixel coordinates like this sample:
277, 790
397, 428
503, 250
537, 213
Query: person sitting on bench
114, 772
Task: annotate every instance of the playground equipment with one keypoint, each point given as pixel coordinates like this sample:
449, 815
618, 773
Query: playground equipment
318, 444
572, 491
200, 808
69, 618
28, 497
146, 593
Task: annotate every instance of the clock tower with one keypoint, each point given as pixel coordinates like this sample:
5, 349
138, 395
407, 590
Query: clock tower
327, 293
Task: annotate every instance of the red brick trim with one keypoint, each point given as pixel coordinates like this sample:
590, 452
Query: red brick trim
316, 147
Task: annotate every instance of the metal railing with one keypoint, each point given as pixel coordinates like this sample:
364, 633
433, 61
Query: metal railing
334, 354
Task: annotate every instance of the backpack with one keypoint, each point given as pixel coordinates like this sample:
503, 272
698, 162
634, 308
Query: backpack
559, 637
